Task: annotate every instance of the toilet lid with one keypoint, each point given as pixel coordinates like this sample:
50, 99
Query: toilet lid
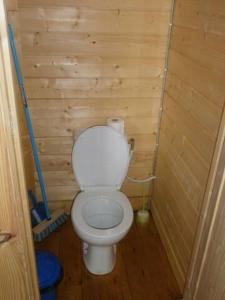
100, 158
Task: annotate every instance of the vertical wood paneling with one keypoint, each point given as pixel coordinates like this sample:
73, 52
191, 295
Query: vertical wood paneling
205, 278
211, 281
86, 61
193, 101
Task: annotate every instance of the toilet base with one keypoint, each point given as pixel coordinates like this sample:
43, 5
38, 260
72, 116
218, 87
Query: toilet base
99, 260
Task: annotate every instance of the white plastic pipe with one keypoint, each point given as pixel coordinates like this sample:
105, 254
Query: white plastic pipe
147, 179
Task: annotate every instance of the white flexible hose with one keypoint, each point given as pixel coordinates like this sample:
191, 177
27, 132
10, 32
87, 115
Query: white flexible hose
150, 178
147, 179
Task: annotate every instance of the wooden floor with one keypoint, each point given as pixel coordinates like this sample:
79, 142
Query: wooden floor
142, 270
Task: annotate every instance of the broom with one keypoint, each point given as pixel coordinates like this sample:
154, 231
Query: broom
54, 220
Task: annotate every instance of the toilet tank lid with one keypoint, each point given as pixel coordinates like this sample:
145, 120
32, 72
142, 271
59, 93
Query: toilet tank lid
100, 158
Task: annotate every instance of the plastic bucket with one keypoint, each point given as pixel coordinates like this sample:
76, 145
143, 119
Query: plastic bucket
49, 274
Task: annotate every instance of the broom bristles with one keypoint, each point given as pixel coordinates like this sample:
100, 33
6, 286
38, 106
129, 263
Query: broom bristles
45, 228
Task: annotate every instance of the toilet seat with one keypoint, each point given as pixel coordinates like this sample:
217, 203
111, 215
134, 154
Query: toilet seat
101, 236
100, 158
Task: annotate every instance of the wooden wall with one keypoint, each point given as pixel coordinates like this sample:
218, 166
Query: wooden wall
12, 14
85, 61
193, 101
205, 278
210, 283
18, 278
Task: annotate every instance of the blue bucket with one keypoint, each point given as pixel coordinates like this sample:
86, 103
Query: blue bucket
49, 274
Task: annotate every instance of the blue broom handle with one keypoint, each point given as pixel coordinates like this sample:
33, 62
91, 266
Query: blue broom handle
28, 121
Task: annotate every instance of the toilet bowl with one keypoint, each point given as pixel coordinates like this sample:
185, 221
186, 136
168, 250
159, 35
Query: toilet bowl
101, 220
101, 214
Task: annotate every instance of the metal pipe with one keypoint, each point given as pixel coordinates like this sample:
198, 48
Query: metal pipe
163, 89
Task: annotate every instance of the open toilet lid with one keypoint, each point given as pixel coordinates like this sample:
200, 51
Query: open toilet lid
100, 158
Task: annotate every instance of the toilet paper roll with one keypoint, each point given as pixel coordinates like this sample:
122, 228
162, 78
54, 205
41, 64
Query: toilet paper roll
116, 123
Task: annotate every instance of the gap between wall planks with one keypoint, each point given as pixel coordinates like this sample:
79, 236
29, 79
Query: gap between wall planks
83, 62
193, 102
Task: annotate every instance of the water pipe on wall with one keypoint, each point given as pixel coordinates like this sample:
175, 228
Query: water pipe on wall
147, 179
163, 86
143, 213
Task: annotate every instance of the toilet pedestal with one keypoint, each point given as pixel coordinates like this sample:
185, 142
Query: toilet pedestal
99, 260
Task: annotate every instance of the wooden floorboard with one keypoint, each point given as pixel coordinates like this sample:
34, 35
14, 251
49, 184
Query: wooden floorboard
142, 270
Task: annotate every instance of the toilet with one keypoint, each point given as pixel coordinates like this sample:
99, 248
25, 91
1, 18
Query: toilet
101, 214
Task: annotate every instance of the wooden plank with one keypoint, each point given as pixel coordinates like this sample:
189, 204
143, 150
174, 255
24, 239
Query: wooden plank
193, 14
18, 277
159, 284
206, 269
211, 284
58, 193
63, 145
71, 66
202, 38
55, 162
154, 5
191, 188
199, 107
68, 127
182, 215
203, 142
170, 248
63, 162
67, 177
172, 233
208, 56
209, 84
134, 263
55, 145
193, 102
71, 283
93, 88
58, 178
149, 276
53, 43
72, 19
179, 147
28, 161
66, 204
94, 108
182, 185
11, 5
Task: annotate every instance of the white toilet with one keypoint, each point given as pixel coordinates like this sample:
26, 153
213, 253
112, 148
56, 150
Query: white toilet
101, 214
